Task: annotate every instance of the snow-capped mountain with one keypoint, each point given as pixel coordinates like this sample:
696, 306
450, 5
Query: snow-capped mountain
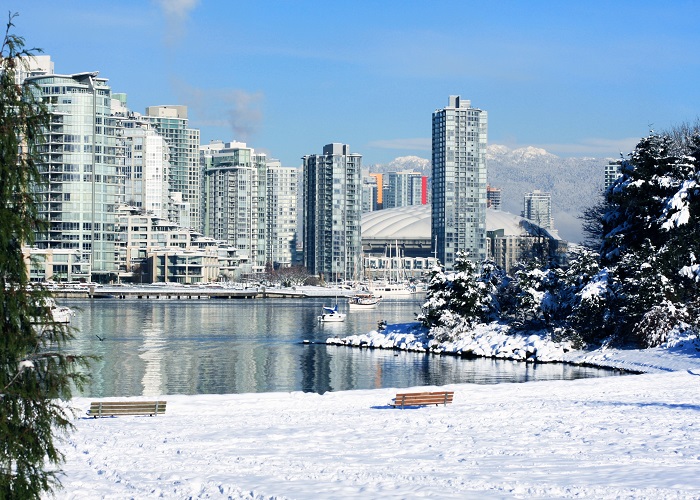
414, 163
575, 183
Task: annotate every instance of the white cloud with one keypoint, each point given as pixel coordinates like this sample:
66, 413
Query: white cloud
416, 144
594, 147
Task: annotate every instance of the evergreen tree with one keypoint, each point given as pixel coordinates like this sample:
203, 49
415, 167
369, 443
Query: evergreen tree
459, 298
469, 297
34, 372
652, 231
493, 279
437, 298
527, 290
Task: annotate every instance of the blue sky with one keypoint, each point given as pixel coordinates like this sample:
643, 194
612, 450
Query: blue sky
575, 78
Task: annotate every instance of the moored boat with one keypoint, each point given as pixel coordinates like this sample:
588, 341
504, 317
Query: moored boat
62, 314
331, 314
59, 314
365, 300
393, 289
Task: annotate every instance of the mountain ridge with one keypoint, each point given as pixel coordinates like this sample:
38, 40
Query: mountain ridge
574, 182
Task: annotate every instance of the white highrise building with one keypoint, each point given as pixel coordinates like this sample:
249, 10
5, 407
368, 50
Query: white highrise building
281, 214
83, 184
403, 189
537, 207
146, 164
231, 213
459, 181
31, 66
251, 202
185, 173
613, 171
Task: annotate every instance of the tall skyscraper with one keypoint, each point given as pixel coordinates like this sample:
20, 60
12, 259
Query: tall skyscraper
185, 173
33, 66
369, 193
332, 211
537, 207
458, 220
80, 166
250, 202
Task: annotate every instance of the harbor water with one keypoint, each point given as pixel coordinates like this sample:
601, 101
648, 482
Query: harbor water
210, 346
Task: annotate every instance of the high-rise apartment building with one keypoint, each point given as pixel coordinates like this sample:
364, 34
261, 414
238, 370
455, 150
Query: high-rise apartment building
185, 174
369, 193
493, 197
146, 165
250, 202
537, 207
281, 214
83, 184
33, 66
332, 211
613, 170
379, 181
459, 181
231, 177
405, 188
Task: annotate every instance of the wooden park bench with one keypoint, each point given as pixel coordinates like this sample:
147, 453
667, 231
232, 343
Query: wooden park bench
119, 408
423, 398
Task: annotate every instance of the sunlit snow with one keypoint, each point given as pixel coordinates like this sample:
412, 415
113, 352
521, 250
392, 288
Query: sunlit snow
616, 437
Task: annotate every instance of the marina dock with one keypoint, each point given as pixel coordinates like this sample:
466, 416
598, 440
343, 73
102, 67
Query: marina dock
174, 292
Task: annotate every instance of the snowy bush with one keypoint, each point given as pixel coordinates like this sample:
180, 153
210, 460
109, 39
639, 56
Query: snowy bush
657, 324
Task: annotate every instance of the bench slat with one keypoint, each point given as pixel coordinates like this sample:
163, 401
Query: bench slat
423, 398
441, 396
111, 408
128, 406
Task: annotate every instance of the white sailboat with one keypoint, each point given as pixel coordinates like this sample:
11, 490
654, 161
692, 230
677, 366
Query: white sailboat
393, 285
331, 315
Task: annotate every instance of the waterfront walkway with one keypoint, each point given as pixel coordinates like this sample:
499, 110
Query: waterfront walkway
193, 292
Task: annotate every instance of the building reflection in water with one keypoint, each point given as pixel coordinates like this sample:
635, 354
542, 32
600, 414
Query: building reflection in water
154, 347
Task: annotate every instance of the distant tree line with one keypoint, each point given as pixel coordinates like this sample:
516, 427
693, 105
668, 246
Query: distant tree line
637, 280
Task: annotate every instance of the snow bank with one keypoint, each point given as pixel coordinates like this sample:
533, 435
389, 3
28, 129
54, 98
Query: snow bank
495, 340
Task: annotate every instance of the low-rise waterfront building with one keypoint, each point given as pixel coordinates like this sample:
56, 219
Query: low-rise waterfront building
53, 264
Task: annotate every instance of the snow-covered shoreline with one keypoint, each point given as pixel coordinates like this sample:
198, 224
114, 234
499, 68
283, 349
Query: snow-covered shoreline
495, 341
612, 437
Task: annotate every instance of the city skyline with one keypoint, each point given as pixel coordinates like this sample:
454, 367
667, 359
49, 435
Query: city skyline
576, 80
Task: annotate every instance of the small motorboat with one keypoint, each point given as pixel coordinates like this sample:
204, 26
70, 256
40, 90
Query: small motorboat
331, 315
365, 300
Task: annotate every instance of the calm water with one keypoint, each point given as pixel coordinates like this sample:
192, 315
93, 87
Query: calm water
153, 347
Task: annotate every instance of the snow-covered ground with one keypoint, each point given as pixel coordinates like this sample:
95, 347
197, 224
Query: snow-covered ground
635, 436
